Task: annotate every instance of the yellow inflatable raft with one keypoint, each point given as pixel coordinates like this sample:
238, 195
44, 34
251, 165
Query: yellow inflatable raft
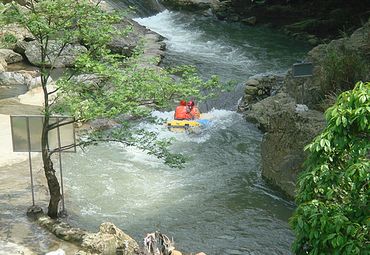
183, 126
189, 126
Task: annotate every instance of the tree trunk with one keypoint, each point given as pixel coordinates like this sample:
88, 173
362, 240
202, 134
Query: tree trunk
53, 183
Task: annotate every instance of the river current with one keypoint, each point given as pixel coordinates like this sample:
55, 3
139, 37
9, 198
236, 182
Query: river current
218, 203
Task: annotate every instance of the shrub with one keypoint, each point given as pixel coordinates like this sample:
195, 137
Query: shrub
332, 216
342, 67
7, 40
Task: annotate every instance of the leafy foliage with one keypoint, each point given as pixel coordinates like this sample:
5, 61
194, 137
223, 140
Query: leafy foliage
333, 192
133, 90
7, 40
102, 84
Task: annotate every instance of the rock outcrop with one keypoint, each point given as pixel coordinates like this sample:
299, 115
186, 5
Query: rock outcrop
314, 21
67, 57
109, 239
10, 56
151, 43
275, 105
289, 127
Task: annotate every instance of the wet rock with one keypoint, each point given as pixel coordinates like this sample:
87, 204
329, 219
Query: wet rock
61, 229
34, 212
140, 38
261, 112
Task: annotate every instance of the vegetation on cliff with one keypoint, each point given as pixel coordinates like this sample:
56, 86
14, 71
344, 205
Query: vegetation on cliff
320, 18
314, 20
333, 191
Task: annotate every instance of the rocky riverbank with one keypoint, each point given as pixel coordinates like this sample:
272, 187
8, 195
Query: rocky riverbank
290, 118
20, 93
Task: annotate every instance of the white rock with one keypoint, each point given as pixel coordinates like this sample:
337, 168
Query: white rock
14, 78
301, 108
57, 252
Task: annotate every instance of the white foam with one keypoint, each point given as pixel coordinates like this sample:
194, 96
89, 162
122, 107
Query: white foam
220, 119
182, 37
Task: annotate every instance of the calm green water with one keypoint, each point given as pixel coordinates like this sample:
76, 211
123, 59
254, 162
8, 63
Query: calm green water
218, 203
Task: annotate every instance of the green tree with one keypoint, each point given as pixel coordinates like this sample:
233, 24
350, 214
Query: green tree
100, 84
332, 216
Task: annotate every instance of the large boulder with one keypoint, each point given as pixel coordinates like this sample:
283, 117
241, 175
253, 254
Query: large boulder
110, 240
66, 59
259, 87
10, 56
14, 78
289, 127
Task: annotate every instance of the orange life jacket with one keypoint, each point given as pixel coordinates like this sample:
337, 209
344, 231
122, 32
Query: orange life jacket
180, 112
193, 114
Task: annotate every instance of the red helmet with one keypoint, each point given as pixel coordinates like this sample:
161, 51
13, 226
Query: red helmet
183, 102
191, 103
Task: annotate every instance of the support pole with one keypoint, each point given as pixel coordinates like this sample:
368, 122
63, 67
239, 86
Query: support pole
29, 158
60, 166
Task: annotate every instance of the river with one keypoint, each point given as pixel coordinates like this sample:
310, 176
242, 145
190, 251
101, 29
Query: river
218, 203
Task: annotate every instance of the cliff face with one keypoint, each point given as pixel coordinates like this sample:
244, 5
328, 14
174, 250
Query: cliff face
315, 21
289, 125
